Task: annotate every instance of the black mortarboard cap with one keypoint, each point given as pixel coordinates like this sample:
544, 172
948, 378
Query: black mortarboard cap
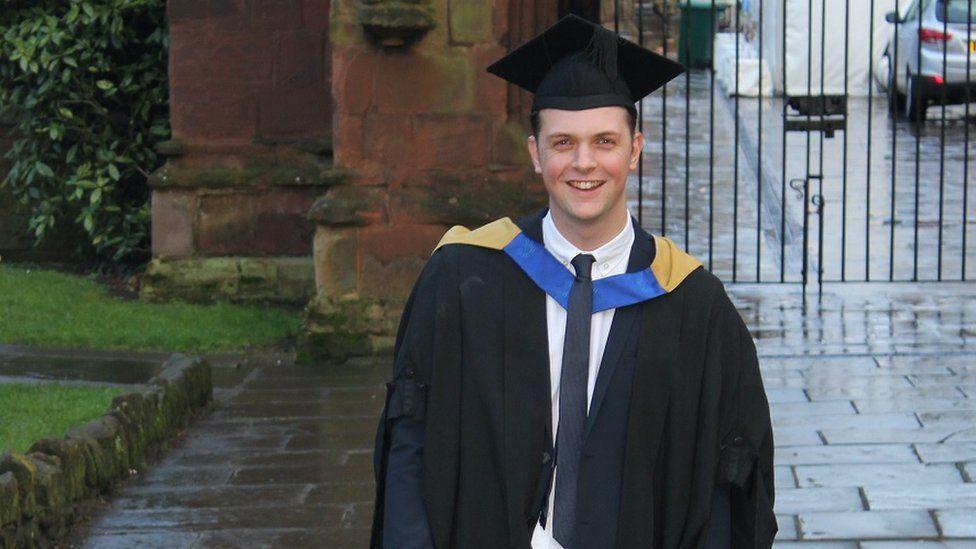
575, 65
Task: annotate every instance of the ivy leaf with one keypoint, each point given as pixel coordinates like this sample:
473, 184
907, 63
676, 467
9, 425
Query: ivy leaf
105, 85
113, 172
43, 169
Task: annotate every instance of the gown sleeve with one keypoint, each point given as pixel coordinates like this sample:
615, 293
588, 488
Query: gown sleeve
720, 520
405, 524
746, 443
400, 518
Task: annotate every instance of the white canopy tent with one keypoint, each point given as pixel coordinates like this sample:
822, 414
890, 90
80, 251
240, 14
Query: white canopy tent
805, 21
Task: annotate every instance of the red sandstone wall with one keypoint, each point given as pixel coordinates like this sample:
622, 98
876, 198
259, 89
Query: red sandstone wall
251, 111
429, 139
249, 70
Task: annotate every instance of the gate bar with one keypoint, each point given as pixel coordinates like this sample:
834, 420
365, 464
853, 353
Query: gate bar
945, 49
919, 126
894, 151
711, 145
759, 146
664, 130
867, 205
785, 137
843, 216
735, 156
965, 156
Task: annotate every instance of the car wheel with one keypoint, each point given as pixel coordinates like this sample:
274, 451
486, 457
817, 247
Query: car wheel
896, 101
916, 104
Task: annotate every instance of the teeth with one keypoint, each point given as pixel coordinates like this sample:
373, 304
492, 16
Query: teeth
585, 185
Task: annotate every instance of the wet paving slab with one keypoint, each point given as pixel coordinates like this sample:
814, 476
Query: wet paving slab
283, 458
873, 402
872, 409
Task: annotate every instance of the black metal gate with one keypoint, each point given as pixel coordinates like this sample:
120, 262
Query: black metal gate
820, 179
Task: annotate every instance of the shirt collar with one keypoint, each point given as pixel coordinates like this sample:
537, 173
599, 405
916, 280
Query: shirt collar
611, 258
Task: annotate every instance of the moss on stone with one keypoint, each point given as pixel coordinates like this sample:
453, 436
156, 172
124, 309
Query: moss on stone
22, 468
349, 205
39, 491
10, 512
237, 279
470, 21
461, 202
516, 134
72, 462
456, 72
9, 501
338, 328
300, 174
49, 489
395, 22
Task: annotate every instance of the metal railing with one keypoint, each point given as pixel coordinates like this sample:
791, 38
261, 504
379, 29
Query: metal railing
773, 165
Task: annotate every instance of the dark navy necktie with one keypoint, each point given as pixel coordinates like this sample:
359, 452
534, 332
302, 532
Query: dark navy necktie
572, 401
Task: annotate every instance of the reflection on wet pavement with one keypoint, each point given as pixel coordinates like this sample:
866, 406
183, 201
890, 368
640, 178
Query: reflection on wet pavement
22, 364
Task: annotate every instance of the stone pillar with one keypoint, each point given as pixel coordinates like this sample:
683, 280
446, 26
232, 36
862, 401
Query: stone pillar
250, 107
427, 139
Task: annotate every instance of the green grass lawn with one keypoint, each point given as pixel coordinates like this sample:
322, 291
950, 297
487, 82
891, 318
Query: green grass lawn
34, 411
42, 307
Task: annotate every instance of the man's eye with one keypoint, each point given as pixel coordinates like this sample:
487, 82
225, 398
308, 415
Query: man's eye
561, 142
606, 141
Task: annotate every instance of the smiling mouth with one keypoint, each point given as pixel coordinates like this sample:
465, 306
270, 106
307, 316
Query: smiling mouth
584, 185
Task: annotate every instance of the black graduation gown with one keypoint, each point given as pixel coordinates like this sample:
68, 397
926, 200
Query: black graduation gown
471, 362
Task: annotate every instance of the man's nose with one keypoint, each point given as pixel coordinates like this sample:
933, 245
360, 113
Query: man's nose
584, 159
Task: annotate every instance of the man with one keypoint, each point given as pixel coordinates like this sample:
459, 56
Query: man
568, 381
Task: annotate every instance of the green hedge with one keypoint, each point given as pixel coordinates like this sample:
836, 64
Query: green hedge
85, 82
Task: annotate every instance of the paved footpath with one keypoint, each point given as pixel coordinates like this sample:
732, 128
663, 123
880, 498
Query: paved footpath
873, 398
283, 460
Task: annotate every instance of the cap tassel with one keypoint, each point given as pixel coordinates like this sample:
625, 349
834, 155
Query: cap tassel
602, 52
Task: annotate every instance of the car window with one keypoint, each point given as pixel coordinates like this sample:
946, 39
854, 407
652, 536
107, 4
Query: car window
959, 11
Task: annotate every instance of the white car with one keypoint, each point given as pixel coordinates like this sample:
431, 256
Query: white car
931, 36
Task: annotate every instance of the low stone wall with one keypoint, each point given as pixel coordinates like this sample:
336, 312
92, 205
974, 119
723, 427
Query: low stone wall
42, 491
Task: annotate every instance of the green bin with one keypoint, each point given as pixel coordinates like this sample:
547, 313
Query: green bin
698, 31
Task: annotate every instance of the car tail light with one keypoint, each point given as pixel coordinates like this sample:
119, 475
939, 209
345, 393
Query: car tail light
935, 79
932, 36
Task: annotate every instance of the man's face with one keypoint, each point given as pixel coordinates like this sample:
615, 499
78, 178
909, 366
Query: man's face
584, 158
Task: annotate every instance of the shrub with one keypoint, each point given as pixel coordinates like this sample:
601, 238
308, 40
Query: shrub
85, 83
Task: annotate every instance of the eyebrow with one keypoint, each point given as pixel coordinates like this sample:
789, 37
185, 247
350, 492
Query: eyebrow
601, 134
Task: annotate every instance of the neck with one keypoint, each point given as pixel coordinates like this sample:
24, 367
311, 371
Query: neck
588, 237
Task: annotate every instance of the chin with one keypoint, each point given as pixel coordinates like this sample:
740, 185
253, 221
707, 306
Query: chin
587, 215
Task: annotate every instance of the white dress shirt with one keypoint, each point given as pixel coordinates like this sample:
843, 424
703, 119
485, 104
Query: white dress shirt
611, 259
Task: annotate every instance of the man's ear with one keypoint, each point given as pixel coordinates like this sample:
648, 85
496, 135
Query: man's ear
533, 147
637, 146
